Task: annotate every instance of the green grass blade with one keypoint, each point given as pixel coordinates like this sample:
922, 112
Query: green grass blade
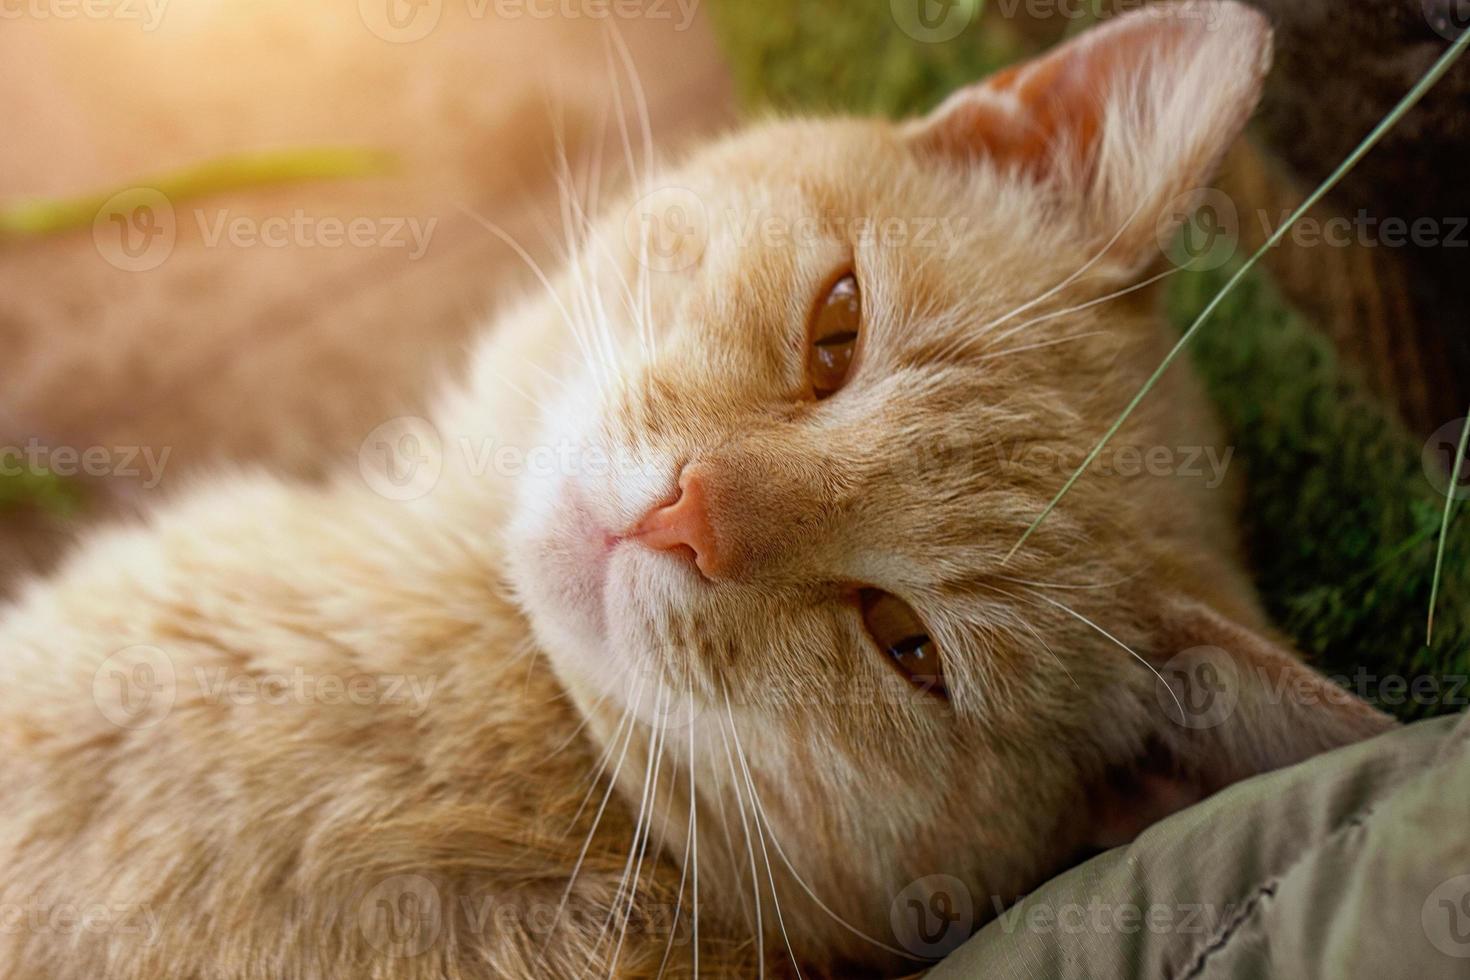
1444, 527
47, 216
1431, 77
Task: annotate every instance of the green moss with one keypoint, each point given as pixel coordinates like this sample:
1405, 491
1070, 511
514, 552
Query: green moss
827, 55
1341, 520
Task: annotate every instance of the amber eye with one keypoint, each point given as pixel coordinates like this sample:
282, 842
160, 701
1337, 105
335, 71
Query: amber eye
836, 323
904, 640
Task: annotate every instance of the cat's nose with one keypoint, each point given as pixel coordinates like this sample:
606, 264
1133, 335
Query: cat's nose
684, 526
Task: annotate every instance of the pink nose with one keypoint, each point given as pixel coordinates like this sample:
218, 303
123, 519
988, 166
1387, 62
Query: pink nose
683, 526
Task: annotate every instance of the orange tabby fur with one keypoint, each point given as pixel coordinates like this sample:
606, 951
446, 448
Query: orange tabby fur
268, 837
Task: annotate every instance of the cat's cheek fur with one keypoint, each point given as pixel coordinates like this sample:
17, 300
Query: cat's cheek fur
1228, 702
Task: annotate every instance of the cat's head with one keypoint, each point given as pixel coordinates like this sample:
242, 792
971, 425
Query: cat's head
816, 384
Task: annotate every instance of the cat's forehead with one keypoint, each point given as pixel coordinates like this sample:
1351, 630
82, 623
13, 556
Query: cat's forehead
792, 193
815, 156
830, 175
734, 248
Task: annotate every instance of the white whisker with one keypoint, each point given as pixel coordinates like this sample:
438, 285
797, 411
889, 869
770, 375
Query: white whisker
760, 942
757, 812
607, 754
1032, 630
1059, 287
1055, 585
694, 817
640, 99
641, 179
541, 277
577, 231
581, 727
691, 845
1089, 304
485, 365
596, 821
831, 913
994, 355
1074, 613
1075, 275
644, 821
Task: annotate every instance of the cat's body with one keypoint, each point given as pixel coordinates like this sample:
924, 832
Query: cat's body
332, 731
181, 739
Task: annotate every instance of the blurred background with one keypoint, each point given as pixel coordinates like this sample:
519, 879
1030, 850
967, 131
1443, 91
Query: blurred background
277, 324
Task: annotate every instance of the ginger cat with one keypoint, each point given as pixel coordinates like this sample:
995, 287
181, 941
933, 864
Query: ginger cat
684, 640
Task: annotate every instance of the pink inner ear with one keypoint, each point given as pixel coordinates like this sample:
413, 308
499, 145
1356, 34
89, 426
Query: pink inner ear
1048, 113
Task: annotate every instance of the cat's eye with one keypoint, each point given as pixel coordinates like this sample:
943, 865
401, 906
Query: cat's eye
904, 640
836, 325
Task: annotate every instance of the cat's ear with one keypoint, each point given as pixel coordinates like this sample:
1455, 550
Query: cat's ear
1228, 704
1121, 121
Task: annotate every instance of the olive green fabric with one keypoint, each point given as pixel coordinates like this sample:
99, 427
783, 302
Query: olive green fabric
1354, 864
